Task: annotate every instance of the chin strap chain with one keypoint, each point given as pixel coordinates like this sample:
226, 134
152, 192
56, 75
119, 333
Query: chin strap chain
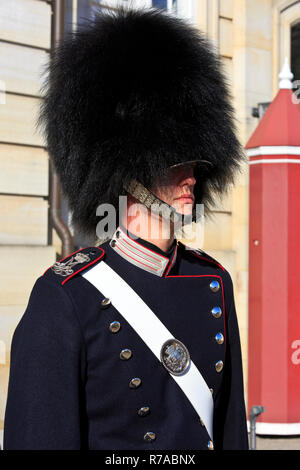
156, 205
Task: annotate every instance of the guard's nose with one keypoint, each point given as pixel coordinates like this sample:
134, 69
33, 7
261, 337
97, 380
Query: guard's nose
188, 180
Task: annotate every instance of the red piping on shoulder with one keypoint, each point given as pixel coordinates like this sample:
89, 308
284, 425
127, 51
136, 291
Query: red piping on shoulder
205, 259
84, 267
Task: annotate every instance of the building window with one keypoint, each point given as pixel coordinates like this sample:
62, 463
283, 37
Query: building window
295, 51
79, 11
163, 4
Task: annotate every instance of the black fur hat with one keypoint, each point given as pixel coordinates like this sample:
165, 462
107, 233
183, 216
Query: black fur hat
128, 95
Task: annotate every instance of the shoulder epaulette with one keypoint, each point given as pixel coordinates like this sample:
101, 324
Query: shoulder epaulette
74, 263
203, 255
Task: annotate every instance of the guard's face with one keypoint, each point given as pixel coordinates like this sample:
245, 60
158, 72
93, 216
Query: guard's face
176, 188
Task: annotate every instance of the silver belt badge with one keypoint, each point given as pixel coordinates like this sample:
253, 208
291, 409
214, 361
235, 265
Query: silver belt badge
65, 269
175, 357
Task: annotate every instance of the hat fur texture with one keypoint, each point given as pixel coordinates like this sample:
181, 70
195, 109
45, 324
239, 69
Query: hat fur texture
128, 95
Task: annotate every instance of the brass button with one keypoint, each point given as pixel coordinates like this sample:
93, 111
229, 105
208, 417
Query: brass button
144, 411
105, 303
216, 312
219, 366
135, 383
210, 445
125, 354
201, 422
219, 338
149, 436
114, 326
215, 286
211, 391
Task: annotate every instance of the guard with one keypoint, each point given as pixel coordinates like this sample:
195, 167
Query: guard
133, 343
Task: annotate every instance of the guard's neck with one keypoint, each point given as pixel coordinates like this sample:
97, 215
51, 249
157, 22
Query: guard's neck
142, 223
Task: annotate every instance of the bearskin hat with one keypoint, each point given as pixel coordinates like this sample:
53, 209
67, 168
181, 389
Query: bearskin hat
129, 94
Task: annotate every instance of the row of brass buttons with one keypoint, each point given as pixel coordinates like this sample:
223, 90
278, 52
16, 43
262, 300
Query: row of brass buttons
134, 383
217, 312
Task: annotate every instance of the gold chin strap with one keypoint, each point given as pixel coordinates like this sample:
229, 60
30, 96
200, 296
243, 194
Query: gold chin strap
157, 206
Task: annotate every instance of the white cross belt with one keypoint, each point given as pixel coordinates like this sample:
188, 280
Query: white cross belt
153, 332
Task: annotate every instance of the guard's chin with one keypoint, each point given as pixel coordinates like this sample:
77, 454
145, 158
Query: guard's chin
183, 208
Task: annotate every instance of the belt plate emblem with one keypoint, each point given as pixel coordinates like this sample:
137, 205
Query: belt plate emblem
175, 357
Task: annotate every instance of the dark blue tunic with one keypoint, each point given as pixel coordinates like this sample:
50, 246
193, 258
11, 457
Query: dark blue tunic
68, 387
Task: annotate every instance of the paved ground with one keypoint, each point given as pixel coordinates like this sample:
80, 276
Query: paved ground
277, 443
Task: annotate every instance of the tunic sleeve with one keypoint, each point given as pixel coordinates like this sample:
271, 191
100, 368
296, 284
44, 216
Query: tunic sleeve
44, 409
230, 425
